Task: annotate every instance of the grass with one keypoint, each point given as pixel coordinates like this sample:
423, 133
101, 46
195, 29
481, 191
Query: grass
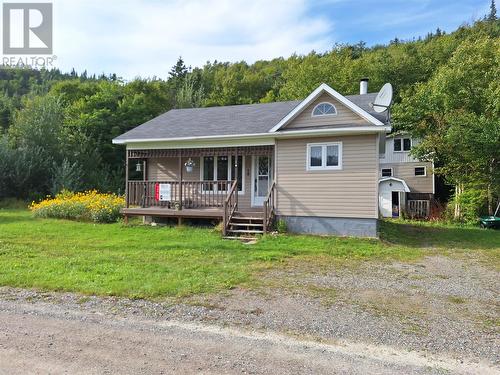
144, 262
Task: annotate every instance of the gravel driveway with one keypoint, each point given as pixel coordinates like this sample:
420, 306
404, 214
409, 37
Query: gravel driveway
437, 315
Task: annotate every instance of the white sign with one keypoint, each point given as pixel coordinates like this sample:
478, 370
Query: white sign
164, 192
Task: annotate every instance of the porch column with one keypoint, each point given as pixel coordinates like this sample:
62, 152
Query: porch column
126, 181
180, 179
236, 173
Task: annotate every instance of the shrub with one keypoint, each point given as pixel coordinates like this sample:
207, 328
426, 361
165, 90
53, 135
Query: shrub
86, 206
219, 228
472, 203
281, 226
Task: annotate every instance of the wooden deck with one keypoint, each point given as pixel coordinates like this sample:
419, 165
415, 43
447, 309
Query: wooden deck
199, 213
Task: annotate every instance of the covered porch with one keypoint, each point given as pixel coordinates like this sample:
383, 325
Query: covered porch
209, 183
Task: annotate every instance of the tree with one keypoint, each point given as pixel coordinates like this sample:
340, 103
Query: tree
37, 138
189, 96
456, 115
179, 70
492, 16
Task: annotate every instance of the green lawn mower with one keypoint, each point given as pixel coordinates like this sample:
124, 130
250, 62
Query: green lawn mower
490, 221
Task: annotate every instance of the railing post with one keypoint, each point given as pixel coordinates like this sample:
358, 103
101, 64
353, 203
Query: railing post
264, 223
144, 192
236, 193
180, 180
224, 223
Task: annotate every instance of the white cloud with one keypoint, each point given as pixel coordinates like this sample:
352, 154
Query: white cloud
132, 37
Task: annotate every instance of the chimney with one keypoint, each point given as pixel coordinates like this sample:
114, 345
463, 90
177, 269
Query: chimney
363, 86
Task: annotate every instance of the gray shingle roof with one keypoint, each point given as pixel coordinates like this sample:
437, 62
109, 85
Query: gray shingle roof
227, 120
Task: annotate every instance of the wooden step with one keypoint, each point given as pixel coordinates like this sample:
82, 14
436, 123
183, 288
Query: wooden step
246, 224
245, 220
258, 214
240, 238
253, 231
241, 218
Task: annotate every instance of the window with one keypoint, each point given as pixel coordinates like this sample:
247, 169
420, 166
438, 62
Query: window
402, 144
324, 156
420, 171
324, 109
221, 168
386, 172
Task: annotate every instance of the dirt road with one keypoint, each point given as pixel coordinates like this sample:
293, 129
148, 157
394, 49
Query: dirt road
45, 338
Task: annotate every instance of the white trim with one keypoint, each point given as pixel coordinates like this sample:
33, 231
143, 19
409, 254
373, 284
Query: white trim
420, 166
262, 138
323, 146
313, 96
392, 172
324, 114
433, 179
252, 175
229, 175
405, 186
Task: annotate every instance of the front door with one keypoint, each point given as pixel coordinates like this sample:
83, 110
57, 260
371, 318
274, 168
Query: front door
261, 179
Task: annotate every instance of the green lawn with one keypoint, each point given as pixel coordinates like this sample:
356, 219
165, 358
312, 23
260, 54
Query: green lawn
144, 261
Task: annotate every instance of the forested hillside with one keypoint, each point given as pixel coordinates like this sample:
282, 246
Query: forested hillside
57, 128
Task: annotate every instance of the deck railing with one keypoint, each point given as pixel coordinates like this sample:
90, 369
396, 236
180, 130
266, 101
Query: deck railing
418, 209
230, 206
269, 208
195, 194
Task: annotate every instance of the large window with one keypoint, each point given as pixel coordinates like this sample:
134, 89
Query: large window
222, 168
402, 144
324, 109
321, 156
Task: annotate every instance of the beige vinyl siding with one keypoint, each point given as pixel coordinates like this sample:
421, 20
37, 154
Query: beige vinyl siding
167, 169
406, 171
350, 192
345, 116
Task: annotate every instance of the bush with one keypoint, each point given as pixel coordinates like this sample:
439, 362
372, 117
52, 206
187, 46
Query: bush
281, 226
86, 206
219, 228
472, 203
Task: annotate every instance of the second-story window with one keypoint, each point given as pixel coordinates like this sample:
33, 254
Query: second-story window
402, 144
324, 109
386, 172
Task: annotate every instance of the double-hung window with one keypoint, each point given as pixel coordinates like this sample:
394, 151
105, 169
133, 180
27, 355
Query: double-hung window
222, 169
324, 156
402, 144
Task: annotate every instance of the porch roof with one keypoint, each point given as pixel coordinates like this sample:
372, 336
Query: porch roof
225, 121
203, 151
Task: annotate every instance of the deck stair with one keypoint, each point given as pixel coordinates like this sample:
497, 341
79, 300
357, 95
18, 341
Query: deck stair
245, 226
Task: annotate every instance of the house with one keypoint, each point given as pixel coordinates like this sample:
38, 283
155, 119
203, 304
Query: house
313, 163
406, 184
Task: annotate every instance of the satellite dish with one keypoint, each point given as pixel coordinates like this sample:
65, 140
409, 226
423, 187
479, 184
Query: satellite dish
384, 99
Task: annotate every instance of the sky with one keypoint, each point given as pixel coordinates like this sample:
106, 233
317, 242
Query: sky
144, 38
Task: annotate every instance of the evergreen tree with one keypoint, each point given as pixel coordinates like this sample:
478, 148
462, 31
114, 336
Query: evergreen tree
493, 12
179, 70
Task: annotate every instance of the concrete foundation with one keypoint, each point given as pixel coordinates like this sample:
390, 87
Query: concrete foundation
332, 226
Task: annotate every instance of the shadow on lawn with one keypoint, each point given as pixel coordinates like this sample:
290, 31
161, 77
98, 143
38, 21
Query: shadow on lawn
8, 216
422, 235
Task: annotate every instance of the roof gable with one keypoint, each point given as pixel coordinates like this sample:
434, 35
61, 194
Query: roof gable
344, 116
324, 88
